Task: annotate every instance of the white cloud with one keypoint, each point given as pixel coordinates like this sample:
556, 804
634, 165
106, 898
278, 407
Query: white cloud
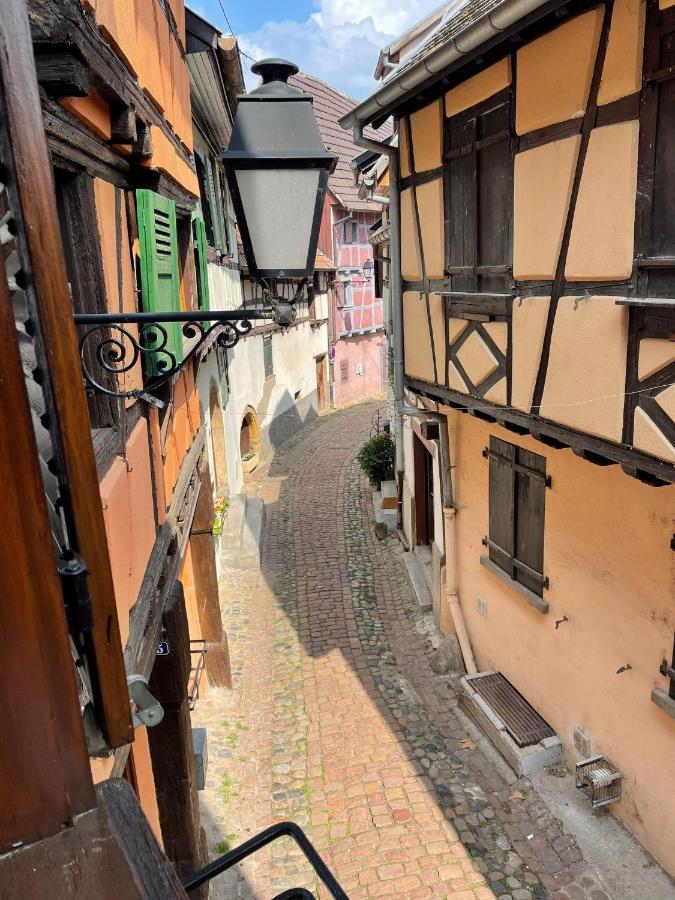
340, 42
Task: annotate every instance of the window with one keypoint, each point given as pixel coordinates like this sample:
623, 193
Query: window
344, 370
656, 180
268, 359
160, 287
214, 203
478, 190
516, 516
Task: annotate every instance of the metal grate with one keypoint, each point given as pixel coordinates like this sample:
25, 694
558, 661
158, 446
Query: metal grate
523, 723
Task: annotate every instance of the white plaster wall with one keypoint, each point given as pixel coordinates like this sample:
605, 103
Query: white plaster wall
293, 354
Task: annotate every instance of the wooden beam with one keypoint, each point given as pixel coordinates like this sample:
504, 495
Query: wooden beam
143, 143
122, 124
46, 778
525, 423
62, 72
50, 306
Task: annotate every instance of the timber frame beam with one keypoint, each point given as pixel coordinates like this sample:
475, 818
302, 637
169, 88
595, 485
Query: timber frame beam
645, 468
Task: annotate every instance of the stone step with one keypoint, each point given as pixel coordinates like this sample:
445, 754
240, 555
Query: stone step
240, 547
385, 516
417, 581
234, 519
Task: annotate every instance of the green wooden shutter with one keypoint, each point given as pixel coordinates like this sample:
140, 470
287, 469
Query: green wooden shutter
201, 260
160, 287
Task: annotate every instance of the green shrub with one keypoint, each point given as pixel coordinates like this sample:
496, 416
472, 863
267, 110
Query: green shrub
376, 457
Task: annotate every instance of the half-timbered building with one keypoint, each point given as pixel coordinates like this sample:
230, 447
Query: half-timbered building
536, 329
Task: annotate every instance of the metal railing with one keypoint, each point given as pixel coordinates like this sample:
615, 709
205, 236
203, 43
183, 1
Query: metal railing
281, 829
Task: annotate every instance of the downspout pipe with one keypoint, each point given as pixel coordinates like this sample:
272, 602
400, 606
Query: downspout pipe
394, 286
451, 586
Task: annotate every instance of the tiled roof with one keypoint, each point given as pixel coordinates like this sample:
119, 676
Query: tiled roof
457, 18
330, 105
323, 263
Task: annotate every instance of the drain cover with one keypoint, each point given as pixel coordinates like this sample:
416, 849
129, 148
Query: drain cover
523, 723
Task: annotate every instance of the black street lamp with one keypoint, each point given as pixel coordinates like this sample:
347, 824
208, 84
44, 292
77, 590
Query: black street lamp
277, 169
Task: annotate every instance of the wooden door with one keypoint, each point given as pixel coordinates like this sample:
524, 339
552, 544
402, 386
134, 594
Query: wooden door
424, 492
321, 381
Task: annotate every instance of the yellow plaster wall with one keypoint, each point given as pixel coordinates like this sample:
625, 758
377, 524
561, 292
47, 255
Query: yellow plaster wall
528, 326
478, 88
411, 267
607, 555
427, 135
586, 375
622, 71
477, 359
601, 245
497, 393
542, 184
416, 338
430, 207
554, 73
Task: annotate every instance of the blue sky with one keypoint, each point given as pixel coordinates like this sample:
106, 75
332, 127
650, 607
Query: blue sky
337, 40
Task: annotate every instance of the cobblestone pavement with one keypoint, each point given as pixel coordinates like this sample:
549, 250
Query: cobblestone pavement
336, 721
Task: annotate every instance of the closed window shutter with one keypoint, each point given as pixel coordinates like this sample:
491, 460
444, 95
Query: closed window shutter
160, 288
201, 261
501, 504
216, 211
529, 531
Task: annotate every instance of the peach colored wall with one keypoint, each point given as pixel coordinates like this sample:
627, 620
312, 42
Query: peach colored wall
430, 208
126, 495
416, 338
554, 73
601, 245
365, 350
411, 268
404, 156
542, 184
586, 376
607, 554
528, 325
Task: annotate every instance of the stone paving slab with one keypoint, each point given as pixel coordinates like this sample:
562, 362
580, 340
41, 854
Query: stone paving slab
336, 721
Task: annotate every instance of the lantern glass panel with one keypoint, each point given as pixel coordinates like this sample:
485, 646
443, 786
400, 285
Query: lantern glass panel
279, 207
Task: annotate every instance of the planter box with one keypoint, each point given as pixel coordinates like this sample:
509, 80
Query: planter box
248, 465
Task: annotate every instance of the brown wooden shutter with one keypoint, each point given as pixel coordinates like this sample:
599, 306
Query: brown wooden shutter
529, 524
501, 499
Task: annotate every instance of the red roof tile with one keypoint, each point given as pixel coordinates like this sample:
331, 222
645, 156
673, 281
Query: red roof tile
330, 105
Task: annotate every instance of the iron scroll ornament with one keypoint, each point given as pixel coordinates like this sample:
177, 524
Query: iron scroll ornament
116, 348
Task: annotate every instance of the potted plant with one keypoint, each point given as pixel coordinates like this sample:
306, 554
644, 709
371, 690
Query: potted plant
376, 458
249, 461
221, 504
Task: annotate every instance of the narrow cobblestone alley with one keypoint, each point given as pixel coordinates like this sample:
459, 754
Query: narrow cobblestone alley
336, 721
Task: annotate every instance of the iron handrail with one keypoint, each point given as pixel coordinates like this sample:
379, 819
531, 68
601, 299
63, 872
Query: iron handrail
280, 829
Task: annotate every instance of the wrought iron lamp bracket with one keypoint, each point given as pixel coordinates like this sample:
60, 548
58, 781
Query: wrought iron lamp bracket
116, 342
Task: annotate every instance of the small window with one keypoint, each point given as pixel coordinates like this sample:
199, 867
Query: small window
516, 528
267, 356
344, 370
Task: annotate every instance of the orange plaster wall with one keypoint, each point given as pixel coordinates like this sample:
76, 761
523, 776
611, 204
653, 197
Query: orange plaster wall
480, 87
554, 73
112, 256
145, 781
607, 555
92, 110
622, 71
165, 158
427, 135
182, 429
126, 496
116, 20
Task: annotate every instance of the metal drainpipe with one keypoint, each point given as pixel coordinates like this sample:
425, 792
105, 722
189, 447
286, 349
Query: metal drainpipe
395, 294
451, 587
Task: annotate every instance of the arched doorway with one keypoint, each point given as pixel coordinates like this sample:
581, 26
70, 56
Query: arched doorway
249, 440
217, 429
